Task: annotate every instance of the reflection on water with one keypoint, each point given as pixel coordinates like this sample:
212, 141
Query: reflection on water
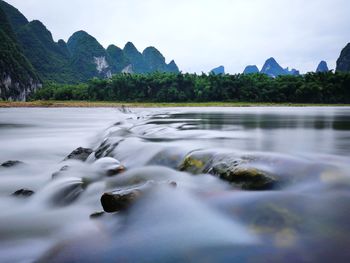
318, 130
183, 185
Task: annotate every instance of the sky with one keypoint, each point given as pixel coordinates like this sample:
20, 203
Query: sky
202, 34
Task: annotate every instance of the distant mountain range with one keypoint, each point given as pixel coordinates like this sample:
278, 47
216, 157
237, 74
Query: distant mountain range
30, 56
271, 68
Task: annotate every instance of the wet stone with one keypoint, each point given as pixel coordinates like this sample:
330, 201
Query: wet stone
23, 193
247, 178
114, 202
230, 167
61, 171
96, 215
10, 164
80, 154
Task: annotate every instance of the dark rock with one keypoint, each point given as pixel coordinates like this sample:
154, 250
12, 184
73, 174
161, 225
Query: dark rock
23, 193
232, 168
97, 215
322, 67
247, 178
58, 173
80, 154
343, 62
109, 166
9, 164
119, 201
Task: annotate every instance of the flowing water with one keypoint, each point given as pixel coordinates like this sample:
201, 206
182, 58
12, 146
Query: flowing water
177, 185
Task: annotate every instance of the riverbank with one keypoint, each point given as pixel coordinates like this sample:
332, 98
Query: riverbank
105, 104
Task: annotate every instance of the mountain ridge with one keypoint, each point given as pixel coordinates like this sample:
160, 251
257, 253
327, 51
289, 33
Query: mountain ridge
80, 59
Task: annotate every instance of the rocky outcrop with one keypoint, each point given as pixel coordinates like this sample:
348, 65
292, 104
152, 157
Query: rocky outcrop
273, 69
23, 193
89, 57
218, 71
343, 62
251, 69
9, 164
80, 154
29, 56
322, 67
18, 78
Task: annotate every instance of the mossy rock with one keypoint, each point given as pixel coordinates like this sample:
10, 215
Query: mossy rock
197, 162
247, 178
230, 167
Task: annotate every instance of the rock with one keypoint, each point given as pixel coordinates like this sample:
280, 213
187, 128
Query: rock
197, 162
229, 167
96, 215
119, 200
9, 164
109, 166
23, 193
169, 157
122, 199
80, 154
58, 173
247, 178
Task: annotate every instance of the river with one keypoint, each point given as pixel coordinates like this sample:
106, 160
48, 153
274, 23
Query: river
255, 184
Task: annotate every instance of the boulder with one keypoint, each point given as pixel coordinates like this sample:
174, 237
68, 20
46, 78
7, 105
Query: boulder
80, 154
23, 193
238, 170
9, 164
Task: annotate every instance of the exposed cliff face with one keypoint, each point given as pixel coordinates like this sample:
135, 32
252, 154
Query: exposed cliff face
343, 62
119, 59
15, 90
29, 54
17, 76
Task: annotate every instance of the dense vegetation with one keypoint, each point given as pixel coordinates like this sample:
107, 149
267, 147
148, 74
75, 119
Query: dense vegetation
16, 72
168, 87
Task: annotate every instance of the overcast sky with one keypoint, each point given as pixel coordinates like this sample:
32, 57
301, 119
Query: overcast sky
202, 34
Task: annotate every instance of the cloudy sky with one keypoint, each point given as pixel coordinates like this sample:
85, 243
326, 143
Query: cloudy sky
203, 34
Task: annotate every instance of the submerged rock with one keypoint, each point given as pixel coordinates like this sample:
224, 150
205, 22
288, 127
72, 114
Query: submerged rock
123, 198
80, 154
9, 164
247, 178
60, 172
109, 166
96, 215
118, 201
229, 167
23, 193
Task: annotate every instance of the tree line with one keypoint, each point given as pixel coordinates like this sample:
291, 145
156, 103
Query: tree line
326, 87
